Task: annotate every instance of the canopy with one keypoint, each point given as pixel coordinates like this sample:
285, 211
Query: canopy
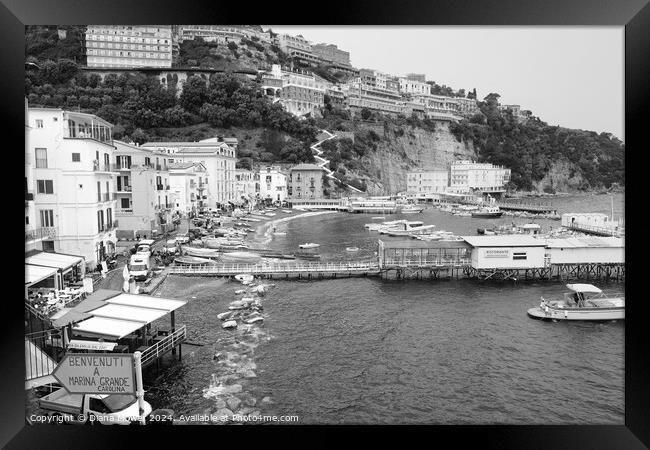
34, 274
57, 260
142, 301
588, 288
135, 314
104, 326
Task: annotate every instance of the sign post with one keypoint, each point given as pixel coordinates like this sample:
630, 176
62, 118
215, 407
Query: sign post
139, 393
96, 373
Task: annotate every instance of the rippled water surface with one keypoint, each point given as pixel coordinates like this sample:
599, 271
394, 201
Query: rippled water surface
370, 351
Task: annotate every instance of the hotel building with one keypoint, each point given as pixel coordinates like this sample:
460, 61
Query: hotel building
129, 46
468, 176
421, 181
306, 182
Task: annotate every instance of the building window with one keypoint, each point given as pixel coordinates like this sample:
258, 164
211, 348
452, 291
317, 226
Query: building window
39, 123
125, 203
41, 158
519, 255
76, 157
99, 191
47, 217
100, 221
109, 217
44, 187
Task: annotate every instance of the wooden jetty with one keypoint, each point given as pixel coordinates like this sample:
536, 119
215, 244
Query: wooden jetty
597, 231
299, 270
536, 208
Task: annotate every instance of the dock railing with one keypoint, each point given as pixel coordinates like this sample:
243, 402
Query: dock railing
235, 269
425, 263
602, 231
164, 345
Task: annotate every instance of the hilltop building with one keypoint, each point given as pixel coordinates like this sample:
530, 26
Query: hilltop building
300, 92
129, 46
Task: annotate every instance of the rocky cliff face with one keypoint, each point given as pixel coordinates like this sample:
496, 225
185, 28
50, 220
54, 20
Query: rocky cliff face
406, 148
563, 176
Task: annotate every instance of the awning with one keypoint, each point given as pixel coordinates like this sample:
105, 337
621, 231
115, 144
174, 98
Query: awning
92, 345
34, 274
142, 301
104, 326
57, 260
135, 314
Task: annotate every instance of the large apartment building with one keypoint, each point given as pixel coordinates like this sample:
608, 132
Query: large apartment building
217, 157
144, 199
305, 182
297, 47
129, 46
330, 53
422, 181
71, 160
468, 176
222, 33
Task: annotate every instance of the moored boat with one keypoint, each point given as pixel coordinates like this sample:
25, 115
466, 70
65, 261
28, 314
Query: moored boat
412, 209
309, 245
585, 302
352, 249
192, 261
488, 212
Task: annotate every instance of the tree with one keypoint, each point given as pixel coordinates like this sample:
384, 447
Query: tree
138, 136
366, 114
194, 95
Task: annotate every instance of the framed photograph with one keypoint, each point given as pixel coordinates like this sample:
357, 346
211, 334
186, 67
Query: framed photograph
386, 214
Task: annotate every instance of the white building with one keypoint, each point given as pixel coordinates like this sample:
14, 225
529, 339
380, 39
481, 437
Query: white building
273, 184
468, 176
299, 92
223, 34
506, 252
247, 184
190, 186
217, 157
586, 250
144, 199
297, 47
423, 181
127, 46
72, 156
408, 86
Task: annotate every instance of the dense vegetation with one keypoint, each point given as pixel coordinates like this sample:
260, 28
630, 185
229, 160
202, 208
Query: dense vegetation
531, 148
142, 108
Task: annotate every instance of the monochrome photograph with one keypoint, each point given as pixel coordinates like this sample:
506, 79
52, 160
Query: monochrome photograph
324, 225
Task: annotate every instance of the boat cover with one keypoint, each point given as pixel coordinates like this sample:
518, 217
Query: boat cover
588, 288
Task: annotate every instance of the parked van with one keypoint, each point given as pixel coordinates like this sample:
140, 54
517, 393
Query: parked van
139, 266
145, 247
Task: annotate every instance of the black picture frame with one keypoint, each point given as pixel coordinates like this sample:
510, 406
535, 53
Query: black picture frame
633, 14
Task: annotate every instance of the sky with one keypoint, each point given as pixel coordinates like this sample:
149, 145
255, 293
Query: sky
567, 76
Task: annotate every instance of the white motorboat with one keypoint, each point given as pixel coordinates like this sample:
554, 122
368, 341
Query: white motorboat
585, 302
352, 249
200, 252
244, 278
424, 229
309, 245
412, 209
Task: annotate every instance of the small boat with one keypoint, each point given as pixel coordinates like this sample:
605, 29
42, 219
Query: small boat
412, 209
287, 211
192, 261
244, 278
270, 214
586, 302
240, 256
378, 218
201, 252
352, 249
488, 212
309, 245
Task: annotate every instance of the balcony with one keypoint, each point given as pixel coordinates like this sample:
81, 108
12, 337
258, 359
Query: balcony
29, 196
124, 212
40, 233
105, 167
123, 167
123, 189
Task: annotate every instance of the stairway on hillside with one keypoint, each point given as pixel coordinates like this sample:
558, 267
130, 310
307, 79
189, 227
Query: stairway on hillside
324, 163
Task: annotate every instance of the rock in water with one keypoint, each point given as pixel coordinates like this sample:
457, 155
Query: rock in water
224, 315
255, 320
233, 403
267, 400
230, 324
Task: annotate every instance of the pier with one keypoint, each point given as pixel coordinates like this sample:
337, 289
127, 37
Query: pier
536, 208
595, 230
287, 270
